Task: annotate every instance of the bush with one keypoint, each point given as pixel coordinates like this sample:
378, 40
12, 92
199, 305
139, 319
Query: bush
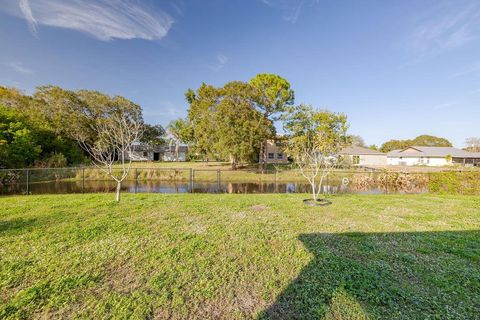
55, 160
467, 183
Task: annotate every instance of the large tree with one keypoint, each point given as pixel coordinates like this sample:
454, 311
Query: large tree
422, 140
233, 121
47, 114
19, 146
426, 140
357, 141
314, 139
272, 96
240, 127
203, 106
153, 134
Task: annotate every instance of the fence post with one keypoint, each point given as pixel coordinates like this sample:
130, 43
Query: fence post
275, 185
83, 180
218, 180
191, 180
28, 182
136, 180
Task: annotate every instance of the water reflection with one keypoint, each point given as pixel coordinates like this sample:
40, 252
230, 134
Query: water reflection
59, 187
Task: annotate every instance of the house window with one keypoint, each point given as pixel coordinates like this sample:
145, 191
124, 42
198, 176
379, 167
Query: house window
271, 156
356, 159
145, 153
279, 155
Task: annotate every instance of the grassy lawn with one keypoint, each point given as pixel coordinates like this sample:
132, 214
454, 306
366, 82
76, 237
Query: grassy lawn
201, 256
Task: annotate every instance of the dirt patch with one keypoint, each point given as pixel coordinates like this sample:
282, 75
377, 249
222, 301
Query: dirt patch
121, 277
258, 207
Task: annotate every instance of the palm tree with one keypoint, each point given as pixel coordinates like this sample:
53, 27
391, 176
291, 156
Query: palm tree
176, 129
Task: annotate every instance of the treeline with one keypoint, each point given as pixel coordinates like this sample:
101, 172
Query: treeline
224, 123
43, 129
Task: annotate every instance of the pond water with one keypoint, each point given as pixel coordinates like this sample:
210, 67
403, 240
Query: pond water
59, 187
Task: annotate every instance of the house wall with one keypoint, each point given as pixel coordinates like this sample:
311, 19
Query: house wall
418, 161
372, 160
272, 148
139, 156
170, 156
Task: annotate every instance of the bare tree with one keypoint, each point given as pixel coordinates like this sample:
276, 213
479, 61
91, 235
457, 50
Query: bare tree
115, 133
315, 138
315, 166
473, 144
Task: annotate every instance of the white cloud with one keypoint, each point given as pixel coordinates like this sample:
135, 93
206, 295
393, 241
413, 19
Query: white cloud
19, 67
450, 29
290, 9
220, 61
103, 19
27, 13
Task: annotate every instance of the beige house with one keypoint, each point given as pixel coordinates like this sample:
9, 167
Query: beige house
274, 152
432, 156
360, 156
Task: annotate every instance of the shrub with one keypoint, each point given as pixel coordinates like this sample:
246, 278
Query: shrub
455, 183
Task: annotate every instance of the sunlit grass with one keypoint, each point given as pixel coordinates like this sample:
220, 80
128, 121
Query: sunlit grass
239, 257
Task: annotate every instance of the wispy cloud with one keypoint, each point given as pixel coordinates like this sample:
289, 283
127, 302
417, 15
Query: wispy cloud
103, 19
448, 29
220, 61
290, 9
27, 13
19, 67
472, 69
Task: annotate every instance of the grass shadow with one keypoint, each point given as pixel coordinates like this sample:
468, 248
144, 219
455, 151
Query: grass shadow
417, 275
18, 224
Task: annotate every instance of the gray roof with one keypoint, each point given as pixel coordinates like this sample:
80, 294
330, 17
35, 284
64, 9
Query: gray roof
356, 150
433, 152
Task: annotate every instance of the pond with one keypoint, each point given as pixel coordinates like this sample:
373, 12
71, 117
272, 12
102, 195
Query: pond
59, 187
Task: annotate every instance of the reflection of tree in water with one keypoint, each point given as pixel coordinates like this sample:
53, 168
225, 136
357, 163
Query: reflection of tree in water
386, 276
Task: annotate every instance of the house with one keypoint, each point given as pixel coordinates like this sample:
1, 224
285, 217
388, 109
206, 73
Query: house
147, 152
360, 156
432, 156
274, 152
169, 153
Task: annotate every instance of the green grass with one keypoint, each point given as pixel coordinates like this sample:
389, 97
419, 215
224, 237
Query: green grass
200, 256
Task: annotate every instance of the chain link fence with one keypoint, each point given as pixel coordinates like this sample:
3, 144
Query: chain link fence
184, 180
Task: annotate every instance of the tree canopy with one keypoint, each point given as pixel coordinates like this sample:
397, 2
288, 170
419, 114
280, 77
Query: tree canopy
315, 138
52, 119
473, 144
422, 140
226, 122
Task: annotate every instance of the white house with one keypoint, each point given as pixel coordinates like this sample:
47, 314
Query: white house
432, 156
146, 152
360, 156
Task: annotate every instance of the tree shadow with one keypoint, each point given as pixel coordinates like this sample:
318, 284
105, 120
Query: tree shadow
17, 224
417, 275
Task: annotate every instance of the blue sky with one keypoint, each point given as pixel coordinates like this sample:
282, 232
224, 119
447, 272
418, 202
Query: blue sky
396, 68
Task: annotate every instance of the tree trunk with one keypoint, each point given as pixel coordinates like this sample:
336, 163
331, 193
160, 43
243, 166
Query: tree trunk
314, 194
119, 185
